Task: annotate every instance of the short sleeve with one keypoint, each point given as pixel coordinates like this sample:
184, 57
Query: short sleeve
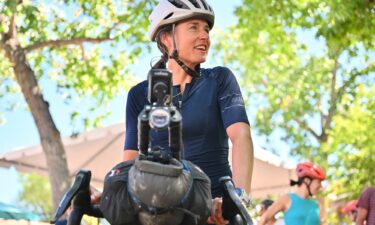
231, 102
134, 106
364, 199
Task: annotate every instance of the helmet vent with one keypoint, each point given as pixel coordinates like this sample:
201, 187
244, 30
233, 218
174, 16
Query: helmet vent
204, 5
195, 3
179, 4
169, 15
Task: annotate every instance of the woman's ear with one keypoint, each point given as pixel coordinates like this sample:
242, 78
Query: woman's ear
166, 40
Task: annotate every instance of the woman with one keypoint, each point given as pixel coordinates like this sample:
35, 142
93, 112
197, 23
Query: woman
298, 207
209, 100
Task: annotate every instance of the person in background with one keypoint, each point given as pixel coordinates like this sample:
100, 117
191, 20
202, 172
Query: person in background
264, 205
351, 210
366, 207
299, 207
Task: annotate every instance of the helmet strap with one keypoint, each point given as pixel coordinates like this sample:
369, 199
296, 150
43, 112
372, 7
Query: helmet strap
174, 55
308, 185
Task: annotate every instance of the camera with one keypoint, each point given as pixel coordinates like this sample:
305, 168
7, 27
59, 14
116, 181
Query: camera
159, 87
159, 115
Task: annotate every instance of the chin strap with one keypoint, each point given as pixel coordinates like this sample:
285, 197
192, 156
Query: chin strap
308, 187
194, 73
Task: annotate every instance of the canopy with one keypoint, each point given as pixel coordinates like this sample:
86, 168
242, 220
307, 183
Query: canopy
100, 149
12, 212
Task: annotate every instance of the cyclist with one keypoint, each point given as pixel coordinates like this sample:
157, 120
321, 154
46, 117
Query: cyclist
209, 100
366, 207
351, 209
298, 206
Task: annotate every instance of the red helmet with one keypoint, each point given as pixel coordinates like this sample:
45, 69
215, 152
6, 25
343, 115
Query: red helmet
309, 169
350, 206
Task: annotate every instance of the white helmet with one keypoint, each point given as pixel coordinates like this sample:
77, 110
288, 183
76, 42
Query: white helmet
172, 11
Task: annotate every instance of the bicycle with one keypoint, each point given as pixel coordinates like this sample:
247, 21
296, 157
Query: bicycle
161, 114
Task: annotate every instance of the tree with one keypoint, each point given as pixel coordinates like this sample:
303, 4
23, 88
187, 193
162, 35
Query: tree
71, 44
36, 195
308, 67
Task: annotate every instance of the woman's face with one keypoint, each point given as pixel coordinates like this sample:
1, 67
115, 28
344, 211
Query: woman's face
192, 40
315, 186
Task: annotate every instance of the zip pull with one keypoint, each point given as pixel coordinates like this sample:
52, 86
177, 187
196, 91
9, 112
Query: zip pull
180, 104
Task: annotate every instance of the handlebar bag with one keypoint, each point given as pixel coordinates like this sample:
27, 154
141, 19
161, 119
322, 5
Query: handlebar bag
115, 203
151, 193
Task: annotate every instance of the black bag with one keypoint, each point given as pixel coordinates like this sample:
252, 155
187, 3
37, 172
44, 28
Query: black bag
115, 203
146, 192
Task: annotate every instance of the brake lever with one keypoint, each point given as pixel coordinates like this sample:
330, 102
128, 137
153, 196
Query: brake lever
232, 205
81, 180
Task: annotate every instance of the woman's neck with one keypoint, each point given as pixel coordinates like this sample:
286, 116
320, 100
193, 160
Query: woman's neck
302, 192
179, 76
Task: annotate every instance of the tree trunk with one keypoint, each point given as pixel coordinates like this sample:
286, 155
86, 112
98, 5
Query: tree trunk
49, 135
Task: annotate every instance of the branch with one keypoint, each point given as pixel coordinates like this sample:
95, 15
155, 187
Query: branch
332, 107
12, 26
12, 23
114, 26
62, 43
303, 125
322, 116
351, 79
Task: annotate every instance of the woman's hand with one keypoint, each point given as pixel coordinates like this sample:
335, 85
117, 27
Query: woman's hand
216, 213
95, 195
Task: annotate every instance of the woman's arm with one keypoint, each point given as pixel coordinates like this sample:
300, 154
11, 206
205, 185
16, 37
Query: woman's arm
282, 204
361, 216
129, 154
242, 154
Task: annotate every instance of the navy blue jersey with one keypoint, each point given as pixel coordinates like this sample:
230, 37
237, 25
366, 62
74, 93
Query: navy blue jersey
208, 106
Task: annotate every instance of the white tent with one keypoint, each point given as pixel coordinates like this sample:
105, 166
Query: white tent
100, 149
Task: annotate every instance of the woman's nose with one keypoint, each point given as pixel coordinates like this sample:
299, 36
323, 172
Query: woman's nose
204, 35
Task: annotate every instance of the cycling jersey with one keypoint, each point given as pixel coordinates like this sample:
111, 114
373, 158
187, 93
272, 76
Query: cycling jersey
208, 105
302, 211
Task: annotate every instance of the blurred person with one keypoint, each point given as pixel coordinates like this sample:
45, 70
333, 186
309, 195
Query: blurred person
351, 210
366, 207
264, 205
299, 208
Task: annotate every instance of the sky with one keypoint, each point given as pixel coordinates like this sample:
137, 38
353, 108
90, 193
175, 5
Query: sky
20, 131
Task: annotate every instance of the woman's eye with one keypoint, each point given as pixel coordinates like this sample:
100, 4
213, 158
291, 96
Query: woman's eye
193, 27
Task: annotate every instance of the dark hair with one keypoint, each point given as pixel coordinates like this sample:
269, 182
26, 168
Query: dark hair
164, 58
267, 203
299, 182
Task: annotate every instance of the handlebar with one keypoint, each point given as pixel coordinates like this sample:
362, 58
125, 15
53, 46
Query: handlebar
78, 196
233, 209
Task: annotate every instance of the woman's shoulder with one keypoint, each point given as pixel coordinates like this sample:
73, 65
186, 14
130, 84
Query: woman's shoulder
139, 88
222, 75
216, 72
284, 202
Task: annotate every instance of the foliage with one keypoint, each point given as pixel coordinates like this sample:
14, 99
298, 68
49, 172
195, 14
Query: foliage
36, 194
80, 49
352, 146
308, 68
108, 37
